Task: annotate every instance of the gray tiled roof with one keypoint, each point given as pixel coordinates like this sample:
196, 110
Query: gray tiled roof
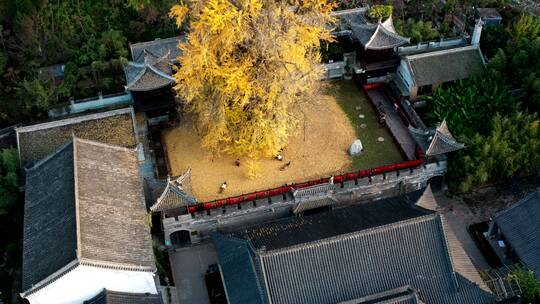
50, 236
107, 228
378, 36
520, 225
401, 295
116, 297
239, 270
351, 253
112, 213
114, 127
445, 65
443, 141
153, 73
158, 48
173, 196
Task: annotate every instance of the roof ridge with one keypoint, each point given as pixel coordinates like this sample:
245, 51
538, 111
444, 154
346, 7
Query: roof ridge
78, 140
49, 157
361, 9
442, 52
115, 265
51, 278
144, 43
448, 254
335, 238
71, 120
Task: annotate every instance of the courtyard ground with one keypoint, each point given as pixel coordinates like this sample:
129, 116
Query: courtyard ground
319, 148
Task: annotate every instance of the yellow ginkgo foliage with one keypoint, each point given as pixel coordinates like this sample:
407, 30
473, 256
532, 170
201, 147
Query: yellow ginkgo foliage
246, 64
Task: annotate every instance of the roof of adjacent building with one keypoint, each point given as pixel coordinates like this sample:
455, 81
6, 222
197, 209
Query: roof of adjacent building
153, 73
158, 48
346, 254
520, 225
443, 141
488, 12
379, 36
174, 194
445, 65
436, 141
112, 127
116, 297
84, 205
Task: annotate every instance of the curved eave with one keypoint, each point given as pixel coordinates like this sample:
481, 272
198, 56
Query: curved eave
382, 31
144, 89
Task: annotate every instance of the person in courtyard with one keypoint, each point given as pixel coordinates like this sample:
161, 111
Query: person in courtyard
285, 166
223, 187
237, 162
382, 119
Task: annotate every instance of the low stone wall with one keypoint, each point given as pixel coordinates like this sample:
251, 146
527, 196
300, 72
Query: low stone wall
202, 224
93, 103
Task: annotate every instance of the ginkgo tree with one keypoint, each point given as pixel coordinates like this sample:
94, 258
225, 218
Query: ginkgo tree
246, 65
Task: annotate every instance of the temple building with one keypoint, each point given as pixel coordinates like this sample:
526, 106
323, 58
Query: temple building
376, 43
149, 77
420, 74
395, 250
513, 233
85, 225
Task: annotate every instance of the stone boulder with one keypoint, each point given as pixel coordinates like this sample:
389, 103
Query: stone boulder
356, 148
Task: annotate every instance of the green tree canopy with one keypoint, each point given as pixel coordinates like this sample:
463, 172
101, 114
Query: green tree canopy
380, 12
9, 180
417, 30
530, 286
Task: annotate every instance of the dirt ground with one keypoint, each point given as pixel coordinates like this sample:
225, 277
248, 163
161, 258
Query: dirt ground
318, 149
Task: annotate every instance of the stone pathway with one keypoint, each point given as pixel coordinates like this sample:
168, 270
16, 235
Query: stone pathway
396, 126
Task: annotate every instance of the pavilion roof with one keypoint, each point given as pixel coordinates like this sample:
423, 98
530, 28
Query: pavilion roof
176, 194
378, 36
158, 48
436, 142
153, 73
443, 142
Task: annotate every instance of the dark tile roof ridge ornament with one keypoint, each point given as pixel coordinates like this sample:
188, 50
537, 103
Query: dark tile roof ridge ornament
175, 194
349, 235
115, 265
443, 141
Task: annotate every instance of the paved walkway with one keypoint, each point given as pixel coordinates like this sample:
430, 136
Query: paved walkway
189, 266
393, 121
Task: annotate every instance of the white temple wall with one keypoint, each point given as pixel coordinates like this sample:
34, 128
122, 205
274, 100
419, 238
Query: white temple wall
85, 282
